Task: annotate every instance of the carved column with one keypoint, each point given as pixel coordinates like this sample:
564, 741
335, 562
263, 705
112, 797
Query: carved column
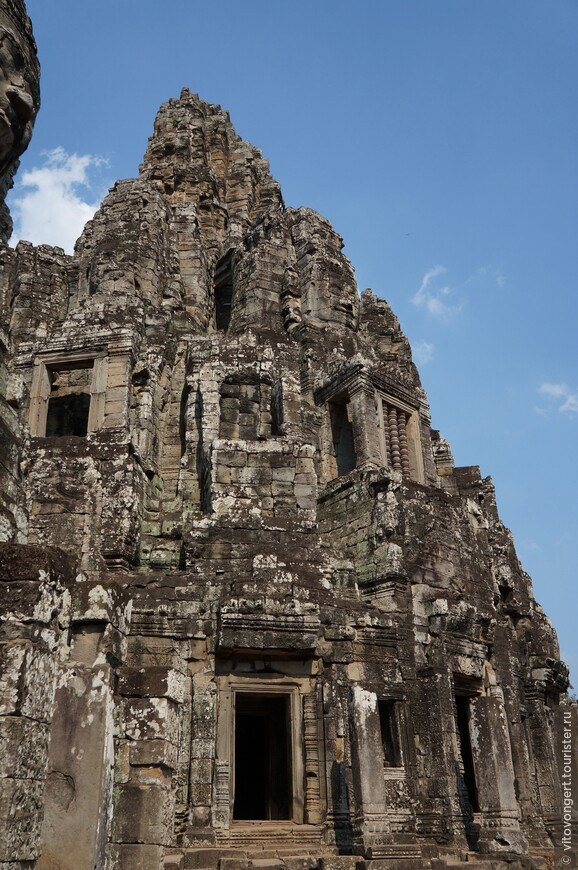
492, 755
222, 797
440, 814
365, 424
403, 445
313, 807
78, 802
371, 825
545, 763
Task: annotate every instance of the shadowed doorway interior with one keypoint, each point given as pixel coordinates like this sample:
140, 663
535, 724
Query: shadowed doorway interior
262, 757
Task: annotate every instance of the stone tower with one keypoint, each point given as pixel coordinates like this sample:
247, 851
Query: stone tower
19, 96
19, 103
261, 619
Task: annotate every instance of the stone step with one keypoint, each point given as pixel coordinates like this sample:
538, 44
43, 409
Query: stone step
393, 863
290, 858
259, 861
199, 859
267, 864
473, 860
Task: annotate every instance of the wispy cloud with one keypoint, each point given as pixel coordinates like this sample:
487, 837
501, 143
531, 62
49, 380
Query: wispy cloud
423, 352
489, 275
51, 203
565, 397
433, 298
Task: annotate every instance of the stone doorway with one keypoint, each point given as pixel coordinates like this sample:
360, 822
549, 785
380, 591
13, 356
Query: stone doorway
466, 774
262, 758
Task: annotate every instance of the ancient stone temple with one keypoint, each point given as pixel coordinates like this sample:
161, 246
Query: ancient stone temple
19, 103
256, 618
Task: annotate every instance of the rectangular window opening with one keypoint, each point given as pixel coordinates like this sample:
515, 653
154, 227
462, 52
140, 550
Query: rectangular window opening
277, 415
223, 288
342, 435
389, 734
68, 415
262, 757
69, 400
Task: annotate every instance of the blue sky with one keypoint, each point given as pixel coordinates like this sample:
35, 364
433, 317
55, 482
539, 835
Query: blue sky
441, 140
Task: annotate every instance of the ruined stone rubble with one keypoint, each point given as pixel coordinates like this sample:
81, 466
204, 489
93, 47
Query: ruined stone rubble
252, 615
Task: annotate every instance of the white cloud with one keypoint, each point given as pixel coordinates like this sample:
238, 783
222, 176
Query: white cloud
435, 299
566, 398
570, 406
51, 203
422, 293
423, 352
555, 390
487, 276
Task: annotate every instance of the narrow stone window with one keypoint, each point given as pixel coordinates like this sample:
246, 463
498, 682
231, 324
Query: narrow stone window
69, 400
400, 441
223, 287
277, 408
262, 757
395, 422
186, 392
389, 734
203, 458
342, 436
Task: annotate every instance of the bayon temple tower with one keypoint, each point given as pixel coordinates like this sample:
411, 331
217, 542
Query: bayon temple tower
251, 614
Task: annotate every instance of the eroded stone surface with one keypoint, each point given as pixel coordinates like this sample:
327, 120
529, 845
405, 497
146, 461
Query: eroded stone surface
290, 632
19, 103
19, 96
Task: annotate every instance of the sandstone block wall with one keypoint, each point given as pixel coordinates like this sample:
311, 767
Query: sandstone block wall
291, 633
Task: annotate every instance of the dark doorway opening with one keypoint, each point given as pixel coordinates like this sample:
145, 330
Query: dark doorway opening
463, 712
467, 786
342, 435
389, 734
277, 417
262, 757
68, 415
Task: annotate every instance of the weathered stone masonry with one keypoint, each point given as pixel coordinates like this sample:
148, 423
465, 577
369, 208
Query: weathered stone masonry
257, 614
19, 103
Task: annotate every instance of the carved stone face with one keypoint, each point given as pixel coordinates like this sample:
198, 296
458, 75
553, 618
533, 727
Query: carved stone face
18, 98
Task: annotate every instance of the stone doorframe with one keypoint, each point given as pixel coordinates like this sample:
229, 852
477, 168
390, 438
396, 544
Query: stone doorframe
110, 358
44, 364
224, 791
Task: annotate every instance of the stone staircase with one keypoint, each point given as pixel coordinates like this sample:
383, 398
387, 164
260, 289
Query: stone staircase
301, 859
477, 861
